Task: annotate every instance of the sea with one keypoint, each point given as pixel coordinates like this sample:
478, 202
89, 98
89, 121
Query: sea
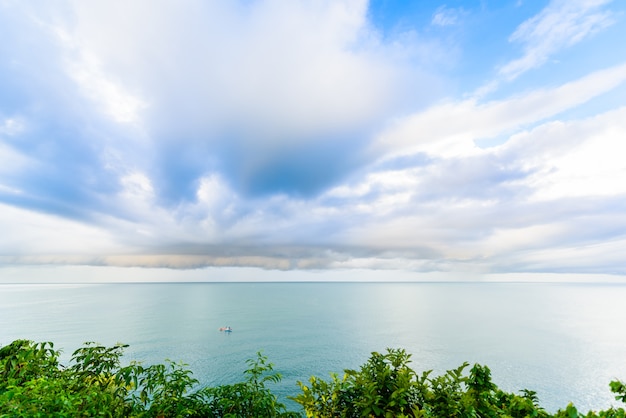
565, 341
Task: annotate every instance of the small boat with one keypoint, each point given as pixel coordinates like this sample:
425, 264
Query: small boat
226, 329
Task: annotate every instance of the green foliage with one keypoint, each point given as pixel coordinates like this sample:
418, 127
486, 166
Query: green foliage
160, 390
34, 384
383, 387
23, 361
387, 387
250, 398
617, 387
620, 389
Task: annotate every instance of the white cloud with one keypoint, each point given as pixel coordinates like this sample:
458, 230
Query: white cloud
445, 16
26, 232
213, 192
137, 186
249, 86
561, 24
85, 67
220, 85
12, 161
604, 256
578, 158
288, 69
522, 239
12, 126
568, 176
461, 227
450, 129
117, 103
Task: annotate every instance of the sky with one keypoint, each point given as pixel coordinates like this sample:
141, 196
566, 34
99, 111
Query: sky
340, 139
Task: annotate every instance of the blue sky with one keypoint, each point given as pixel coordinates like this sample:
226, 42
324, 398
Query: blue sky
229, 139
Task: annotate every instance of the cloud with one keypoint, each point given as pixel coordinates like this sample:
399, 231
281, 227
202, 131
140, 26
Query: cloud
557, 186
445, 16
27, 233
11, 127
560, 25
452, 128
292, 135
13, 162
262, 90
577, 159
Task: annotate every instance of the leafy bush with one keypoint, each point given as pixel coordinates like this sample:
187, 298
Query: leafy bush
250, 398
34, 384
387, 387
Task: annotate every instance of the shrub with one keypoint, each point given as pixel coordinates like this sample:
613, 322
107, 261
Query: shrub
34, 384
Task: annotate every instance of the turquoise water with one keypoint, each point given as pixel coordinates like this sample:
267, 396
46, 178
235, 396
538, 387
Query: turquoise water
565, 341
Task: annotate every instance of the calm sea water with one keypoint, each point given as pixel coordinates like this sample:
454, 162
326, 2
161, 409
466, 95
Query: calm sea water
565, 341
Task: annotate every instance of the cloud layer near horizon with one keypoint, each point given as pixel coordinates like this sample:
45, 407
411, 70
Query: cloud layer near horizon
308, 135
